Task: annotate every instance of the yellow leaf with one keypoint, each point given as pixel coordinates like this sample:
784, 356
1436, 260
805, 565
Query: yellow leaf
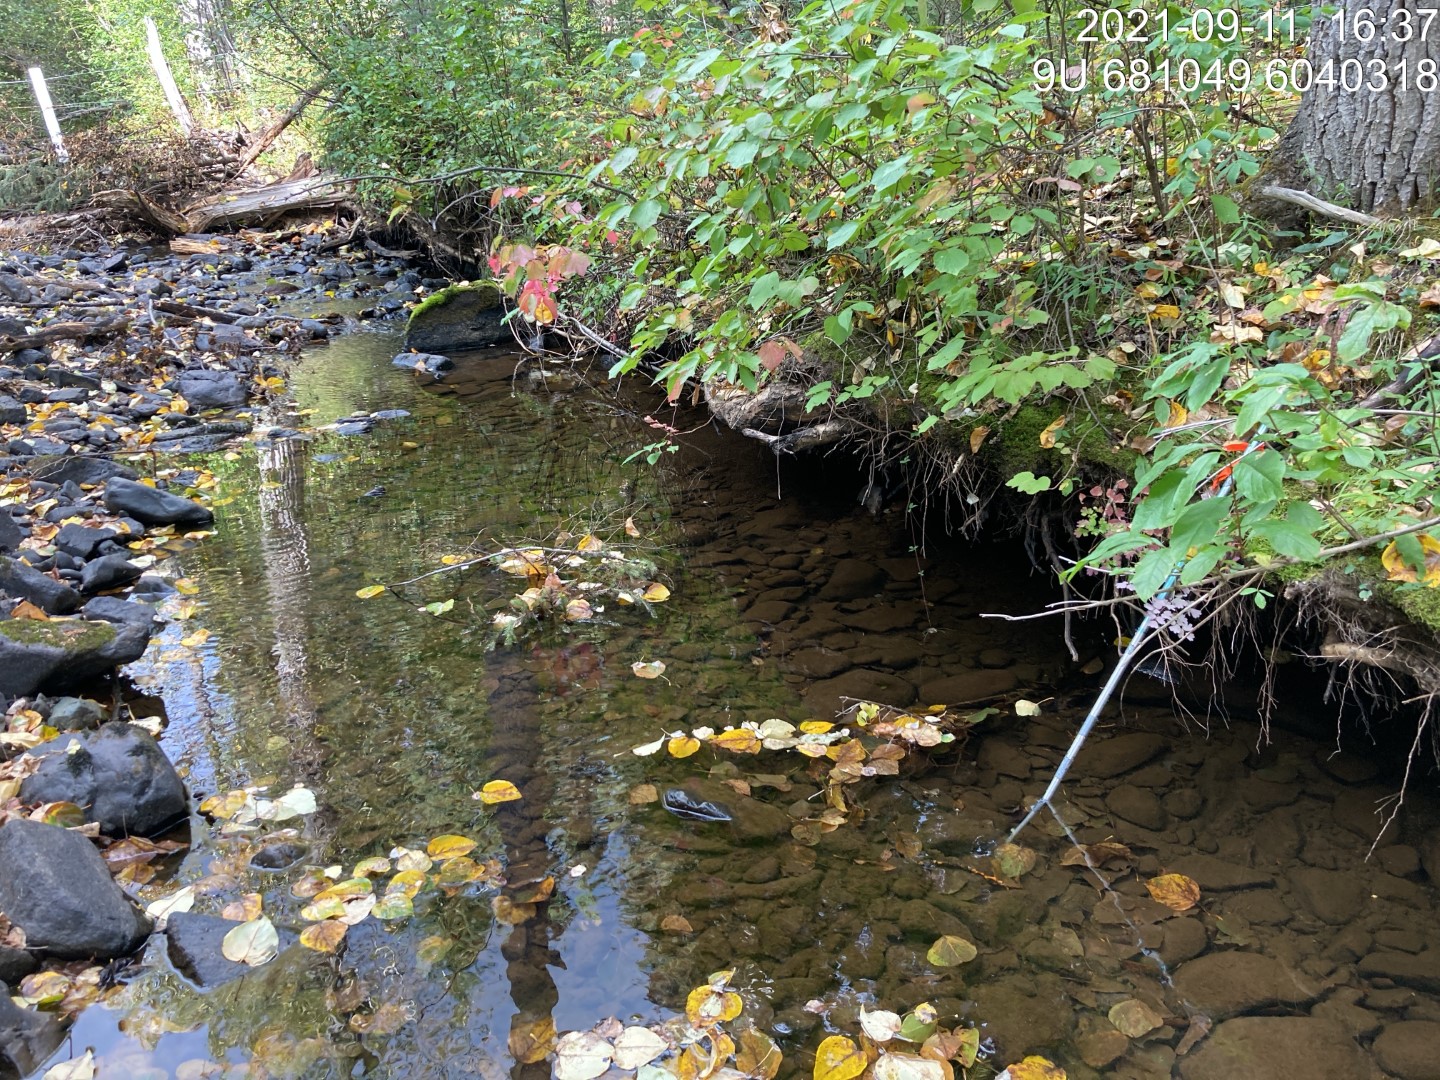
655, 592
1178, 415
324, 937
738, 741
757, 1057
590, 542
345, 890
185, 587
707, 1006
1175, 891
450, 847
26, 610
406, 883
683, 746
1397, 569
838, 1058
977, 437
369, 591
532, 1041
1165, 311
1033, 1068
452, 560
199, 637
1047, 437
498, 791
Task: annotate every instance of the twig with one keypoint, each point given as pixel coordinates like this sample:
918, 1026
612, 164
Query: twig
1318, 206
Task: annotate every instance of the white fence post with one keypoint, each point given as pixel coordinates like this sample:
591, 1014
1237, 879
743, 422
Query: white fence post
167, 81
47, 110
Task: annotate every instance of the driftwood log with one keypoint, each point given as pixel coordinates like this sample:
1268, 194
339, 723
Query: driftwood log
232, 207
66, 331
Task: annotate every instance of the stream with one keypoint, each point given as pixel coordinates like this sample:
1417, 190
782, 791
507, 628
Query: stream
1302, 958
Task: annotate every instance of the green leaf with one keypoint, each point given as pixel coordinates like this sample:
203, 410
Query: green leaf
891, 173
1029, 483
1226, 212
1199, 524
1365, 323
623, 159
1152, 571
646, 212
1259, 476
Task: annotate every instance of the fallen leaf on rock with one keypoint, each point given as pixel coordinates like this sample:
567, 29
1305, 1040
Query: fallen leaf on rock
252, 943
242, 910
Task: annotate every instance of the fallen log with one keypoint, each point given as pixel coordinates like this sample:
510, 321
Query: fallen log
69, 331
233, 208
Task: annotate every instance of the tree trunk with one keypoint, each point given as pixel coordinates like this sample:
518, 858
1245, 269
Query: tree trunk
1376, 149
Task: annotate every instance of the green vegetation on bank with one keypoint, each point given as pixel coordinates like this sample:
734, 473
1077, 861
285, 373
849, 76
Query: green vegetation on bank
986, 216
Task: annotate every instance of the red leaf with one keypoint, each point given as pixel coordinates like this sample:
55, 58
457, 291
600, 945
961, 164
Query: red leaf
772, 355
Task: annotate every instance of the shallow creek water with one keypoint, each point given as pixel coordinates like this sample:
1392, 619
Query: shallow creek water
1304, 958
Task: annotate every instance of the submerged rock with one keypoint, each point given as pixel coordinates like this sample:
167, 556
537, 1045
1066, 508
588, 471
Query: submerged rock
55, 886
710, 801
193, 946
1225, 984
121, 778
1277, 1046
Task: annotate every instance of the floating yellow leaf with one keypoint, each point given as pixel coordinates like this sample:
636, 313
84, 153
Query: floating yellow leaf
648, 670
198, 638
951, 950
656, 593
450, 847
252, 943
815, 727
346, 890
707, 1006
406, 883
738, 741
324, 937
369, 591
1047, 437
757, 1056
453, 560
838, 1058
1397, 569
532, 1041
378, 864
682, 746
393, 905
185, 587
498, 791
1033, 1068
1175, 891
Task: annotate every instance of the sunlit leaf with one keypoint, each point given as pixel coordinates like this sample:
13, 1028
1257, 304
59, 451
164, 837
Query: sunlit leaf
499, 791
838, 1058
451, 846
1047, 437
406, 883
919, 1023
652, 669
64, 814
682, 746
346, 890
1134, 1018
1397, 569
892, 1066
1175, 891
816, 727
393, 905
297, 802
581, 1055
44, 987
579, 610
656, 593
649, 748
880, 1025
950, 950
356, 910
706, 1006
1033, 1068
324, 937
1026, 708
81, 1068
252, 943
179, 900
369, 591
407, 859
317, 910
737, 741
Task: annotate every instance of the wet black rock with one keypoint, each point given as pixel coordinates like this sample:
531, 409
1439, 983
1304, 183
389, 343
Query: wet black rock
108, 572
206, 389
15, 964
193, 945
82, 470
152, 506
10, 533
36, 655
427, 361
27, 1037
11, 411
22, 582
119, 776
55, 886
82, 540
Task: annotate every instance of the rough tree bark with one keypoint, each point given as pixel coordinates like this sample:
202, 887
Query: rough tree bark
1376, 150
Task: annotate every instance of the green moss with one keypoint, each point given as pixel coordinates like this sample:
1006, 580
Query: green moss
73, 635
445, 295
1017, 443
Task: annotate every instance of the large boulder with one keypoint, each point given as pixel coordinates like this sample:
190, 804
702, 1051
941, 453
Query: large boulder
153, 506
118, 775
36, 655
205, 389
27, 1038
55, 886
22, 581
459, 318
82, 469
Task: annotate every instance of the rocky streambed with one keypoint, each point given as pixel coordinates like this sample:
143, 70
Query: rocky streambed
625, 881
